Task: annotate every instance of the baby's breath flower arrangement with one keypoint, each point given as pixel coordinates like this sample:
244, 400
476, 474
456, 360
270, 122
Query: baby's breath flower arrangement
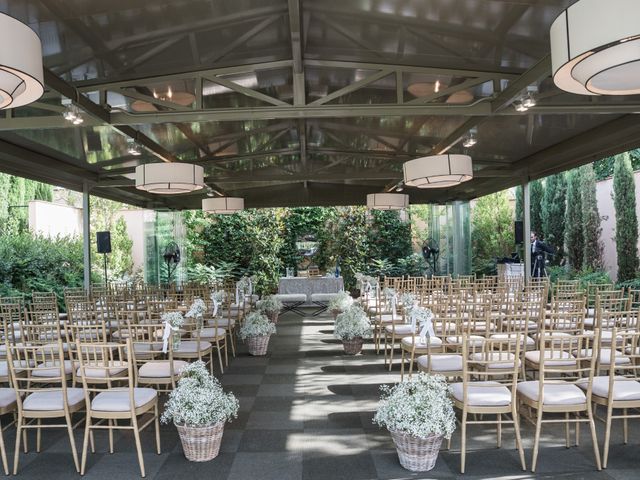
352, 323
256, 325
199, 407
419, 414
196, 311
270, 304
340, 302
173, 321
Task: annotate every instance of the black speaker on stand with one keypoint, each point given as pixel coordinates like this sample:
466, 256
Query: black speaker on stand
103, 240
519, 232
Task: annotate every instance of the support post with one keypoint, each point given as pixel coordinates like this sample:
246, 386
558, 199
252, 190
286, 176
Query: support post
86, 235
527, 231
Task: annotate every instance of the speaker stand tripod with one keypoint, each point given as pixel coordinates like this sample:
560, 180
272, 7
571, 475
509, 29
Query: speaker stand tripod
106, 281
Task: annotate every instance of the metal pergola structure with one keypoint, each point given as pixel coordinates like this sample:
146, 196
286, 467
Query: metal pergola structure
301, 102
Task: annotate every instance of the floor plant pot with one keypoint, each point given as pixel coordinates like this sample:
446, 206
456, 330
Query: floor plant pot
201, 444
258, 345
273, 316
353, 346
417, 454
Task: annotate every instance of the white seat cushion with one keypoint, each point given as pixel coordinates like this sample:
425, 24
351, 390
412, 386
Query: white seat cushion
52, 400
52, 369
421, 342
589, 322
322, 297
191, 346
210, 332
161, 369
474, 340
4, 367
222, 322
553, 393
624, 389
117, 399
400, 329
555, 358
503, 360
479, 326
101, 372
7, 397
507, 336
291, 297
482, 394
442, 362
604, 356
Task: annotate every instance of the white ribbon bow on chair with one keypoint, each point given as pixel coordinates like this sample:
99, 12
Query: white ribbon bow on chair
393, 306
427, 329
168, 328
216, 304
237, 295
250, 289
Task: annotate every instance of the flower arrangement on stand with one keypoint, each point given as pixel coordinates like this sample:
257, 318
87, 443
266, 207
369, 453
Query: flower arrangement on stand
197, 310
217, 297
419, 414
199, 408
352, 327
270, 306
340, 303
173, 322
256, 331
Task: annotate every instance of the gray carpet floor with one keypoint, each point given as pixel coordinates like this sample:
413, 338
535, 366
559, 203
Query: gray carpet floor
305, 413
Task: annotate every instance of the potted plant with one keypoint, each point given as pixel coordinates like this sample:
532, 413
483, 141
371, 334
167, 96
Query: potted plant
352, 326
256, 331
199, 408
419, 414
339, 303
270, 306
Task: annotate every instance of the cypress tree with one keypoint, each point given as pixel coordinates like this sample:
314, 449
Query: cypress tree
519, 203
553, 209
535, 194
574, 242
624, 198
591, 229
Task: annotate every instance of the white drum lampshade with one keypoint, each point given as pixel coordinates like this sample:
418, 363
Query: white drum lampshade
169, 178
223, 205
595, 48
387, 201
21, 77
438, 171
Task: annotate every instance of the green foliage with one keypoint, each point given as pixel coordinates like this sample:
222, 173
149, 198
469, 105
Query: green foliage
536, 194
389, 236
33, 263
16, 193
573, 234
589, 276
351, 243
605, 168
553, 210
632, 284
491, 231
519, 213
624, 197
592, 249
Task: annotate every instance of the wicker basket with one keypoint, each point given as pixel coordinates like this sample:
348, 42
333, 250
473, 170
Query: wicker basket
415, 453
273, 316
258, 345
353, 346
201, 444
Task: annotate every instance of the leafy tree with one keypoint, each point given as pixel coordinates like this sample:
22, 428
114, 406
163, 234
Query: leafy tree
519, 213
553, 210
591, 229
389, 236
605, 168
491, 230
624, 197
536, 194
573, 234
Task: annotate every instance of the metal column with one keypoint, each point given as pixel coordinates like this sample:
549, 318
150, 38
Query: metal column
86, 235
527, 231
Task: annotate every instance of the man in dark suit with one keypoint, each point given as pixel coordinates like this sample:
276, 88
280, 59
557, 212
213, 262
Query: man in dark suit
539, 249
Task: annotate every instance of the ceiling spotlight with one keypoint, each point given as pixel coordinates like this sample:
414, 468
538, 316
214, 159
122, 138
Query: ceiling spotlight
210, 192
133, 148
399, 187
529, 101
72, 114
520, 106
470, 140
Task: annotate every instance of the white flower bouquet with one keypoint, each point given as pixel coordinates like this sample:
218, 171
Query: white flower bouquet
270, 304
197, 308
199, 408
352, 326
407, 300
419, 414
256, 325
340, 302
175, 319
